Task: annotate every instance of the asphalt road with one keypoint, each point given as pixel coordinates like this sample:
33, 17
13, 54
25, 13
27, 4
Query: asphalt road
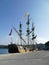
30, 58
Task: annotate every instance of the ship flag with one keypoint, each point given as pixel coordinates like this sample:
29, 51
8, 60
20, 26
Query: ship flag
10, 32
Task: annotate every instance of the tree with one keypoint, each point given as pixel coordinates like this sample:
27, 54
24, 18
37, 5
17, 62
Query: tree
47, 45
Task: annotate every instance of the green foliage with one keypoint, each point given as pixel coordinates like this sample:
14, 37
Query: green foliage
3, 46
47, 45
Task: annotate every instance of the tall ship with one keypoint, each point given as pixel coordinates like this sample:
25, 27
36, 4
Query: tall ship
24, 46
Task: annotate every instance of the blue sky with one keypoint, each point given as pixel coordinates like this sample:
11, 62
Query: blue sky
12, 11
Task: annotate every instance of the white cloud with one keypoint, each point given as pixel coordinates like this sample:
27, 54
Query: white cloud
41, 40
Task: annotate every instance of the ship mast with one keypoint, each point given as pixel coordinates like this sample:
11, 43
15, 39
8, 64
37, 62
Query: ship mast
33, 34
28, 30
10, 35
20, 31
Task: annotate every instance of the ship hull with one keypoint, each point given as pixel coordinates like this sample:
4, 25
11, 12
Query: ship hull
13, 48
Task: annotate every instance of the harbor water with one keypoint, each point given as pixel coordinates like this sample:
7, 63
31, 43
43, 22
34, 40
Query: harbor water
3, 51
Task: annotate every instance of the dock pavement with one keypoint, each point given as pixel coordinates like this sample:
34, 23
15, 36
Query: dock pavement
28, 58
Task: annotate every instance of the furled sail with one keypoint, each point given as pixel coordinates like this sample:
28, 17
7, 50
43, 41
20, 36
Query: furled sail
10, 32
